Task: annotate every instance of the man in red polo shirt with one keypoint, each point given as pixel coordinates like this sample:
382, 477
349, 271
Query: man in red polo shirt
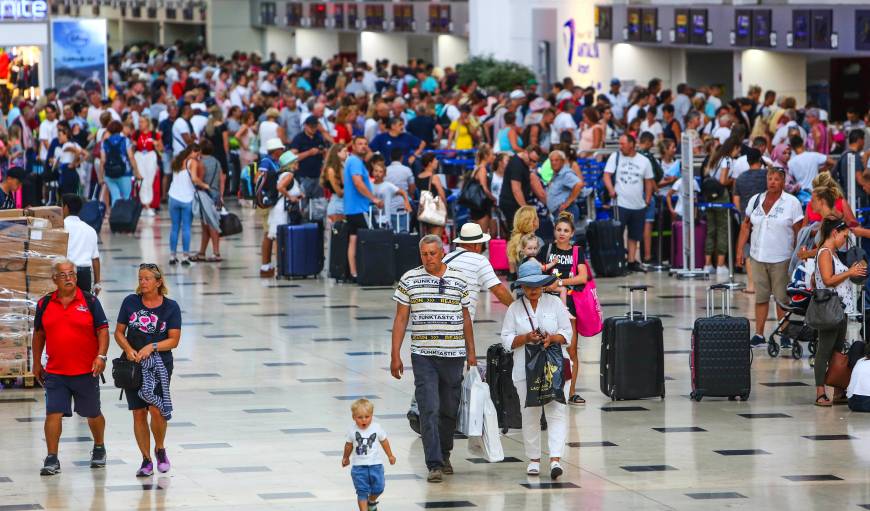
73, 329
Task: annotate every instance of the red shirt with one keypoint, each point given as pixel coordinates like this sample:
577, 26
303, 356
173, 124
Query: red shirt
70, 334
145, 140
812, 216
342, 135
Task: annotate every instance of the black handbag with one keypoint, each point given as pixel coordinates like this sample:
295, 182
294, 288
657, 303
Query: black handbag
127, 374
473, 196
825, 311
230, 225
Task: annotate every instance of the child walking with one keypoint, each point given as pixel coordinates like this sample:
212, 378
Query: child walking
363, 450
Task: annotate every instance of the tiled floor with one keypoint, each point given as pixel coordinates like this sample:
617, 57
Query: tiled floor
266, 371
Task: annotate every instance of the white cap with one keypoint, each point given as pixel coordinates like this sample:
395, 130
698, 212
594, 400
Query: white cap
273, 144
517, 94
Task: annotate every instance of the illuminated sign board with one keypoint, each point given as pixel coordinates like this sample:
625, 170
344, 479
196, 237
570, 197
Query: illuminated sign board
23, 10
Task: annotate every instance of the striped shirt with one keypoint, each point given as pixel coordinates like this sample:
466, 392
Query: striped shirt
478, 273
436, 315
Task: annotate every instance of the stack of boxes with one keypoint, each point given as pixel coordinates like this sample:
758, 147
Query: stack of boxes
30, 241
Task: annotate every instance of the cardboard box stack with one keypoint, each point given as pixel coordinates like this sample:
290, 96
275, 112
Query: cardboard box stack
29, 244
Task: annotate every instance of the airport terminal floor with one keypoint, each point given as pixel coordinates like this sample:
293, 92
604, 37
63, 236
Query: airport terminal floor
266, 371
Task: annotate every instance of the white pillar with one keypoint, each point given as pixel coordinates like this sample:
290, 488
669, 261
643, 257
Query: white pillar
785, 73
229, 28
642, 63
316, 43
375, 45
450, 50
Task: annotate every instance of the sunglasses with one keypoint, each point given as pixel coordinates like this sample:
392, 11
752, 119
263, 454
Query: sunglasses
151, 266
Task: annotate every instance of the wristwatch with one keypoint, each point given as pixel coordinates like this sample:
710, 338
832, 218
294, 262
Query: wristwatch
559, 282
105, 358
98, 286
154, 345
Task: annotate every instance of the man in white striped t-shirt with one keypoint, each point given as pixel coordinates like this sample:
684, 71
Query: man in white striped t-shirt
435, 299
468, 259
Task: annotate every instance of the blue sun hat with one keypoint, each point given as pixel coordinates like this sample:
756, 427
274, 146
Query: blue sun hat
529, 274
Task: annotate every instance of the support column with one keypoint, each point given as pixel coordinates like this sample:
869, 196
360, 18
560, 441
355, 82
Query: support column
229, 28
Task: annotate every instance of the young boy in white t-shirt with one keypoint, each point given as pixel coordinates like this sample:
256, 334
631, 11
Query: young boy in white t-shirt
385, 191
363, 449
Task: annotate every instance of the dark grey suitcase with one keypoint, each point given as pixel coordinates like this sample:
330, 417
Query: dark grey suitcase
607, 247
632, 354
721, 355
375, 257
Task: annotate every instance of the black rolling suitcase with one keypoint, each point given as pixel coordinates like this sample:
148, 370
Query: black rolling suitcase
375, 257
407, 247
125, 213
499, 377
721, 355
632, 354
338, 267
606, 247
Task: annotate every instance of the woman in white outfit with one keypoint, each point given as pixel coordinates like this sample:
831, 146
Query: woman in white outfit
147, 144
537, 318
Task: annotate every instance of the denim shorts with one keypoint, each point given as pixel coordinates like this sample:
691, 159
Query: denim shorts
61, 390
368, 480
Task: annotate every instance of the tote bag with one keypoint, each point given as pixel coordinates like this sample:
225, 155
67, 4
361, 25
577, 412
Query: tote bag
589, 319
432, 210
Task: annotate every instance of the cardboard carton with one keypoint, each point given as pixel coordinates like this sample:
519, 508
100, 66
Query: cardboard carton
11, 213
40, 267
54, 215
13, 281
12, 368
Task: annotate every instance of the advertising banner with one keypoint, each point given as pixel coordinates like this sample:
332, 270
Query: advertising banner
79, 55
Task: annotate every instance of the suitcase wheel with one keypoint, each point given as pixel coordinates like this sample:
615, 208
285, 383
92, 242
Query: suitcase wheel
744, 397
796, 351
773, 348
696, 396
811, 346
732, 398
813, 361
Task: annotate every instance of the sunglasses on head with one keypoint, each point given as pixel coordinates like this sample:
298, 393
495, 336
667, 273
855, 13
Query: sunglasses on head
151, 266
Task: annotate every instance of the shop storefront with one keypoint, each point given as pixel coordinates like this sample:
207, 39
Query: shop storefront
24, 41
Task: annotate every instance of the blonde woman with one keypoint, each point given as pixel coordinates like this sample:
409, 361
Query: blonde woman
525, 222
149, 324
485, 158
148, 143
331, 179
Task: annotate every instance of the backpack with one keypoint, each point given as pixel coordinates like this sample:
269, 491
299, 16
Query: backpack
266, 194
711, 189
658, 173
114, 165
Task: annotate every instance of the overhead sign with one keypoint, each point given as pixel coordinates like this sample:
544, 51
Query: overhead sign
78, 53
23, 10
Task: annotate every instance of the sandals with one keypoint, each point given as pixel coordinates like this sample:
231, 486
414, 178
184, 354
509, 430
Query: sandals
576, 400
825, 403
840, 400
213, 259
198, 258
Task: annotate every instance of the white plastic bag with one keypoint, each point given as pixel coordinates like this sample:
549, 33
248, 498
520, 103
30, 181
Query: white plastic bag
487, 446
466, 413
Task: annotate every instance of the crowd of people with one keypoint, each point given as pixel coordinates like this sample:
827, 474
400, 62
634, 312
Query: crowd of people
365, 144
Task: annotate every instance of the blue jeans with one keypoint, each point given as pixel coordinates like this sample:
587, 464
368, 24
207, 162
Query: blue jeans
438, 387
368, 480
181, 214
119, 187
859, 403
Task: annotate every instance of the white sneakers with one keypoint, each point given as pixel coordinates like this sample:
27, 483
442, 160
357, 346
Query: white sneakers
722, 272
534, 469
709, 269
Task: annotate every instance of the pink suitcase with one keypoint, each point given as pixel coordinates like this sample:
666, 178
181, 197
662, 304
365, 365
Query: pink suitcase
498, 255
677, 244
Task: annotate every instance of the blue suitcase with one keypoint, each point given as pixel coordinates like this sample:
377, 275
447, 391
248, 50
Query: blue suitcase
94, 211
300, 250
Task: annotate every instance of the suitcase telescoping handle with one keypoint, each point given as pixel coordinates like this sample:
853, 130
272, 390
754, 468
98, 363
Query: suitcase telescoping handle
726, 299
631, 291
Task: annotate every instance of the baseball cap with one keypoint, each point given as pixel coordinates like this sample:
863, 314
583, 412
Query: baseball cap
615, 81
517, 94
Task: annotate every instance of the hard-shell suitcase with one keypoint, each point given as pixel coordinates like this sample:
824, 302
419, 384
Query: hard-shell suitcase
338, 267
407, 247
677, 245
300, 250
93, 212
125, 212
606, 247
498, 249
721, 355
375, 257
632, 354
499, 377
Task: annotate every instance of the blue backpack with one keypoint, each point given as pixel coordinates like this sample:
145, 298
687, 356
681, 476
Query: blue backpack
115, 166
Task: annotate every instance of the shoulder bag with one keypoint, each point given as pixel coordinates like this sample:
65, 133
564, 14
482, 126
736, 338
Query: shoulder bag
825, 311
586, 304
473, 196
432, 210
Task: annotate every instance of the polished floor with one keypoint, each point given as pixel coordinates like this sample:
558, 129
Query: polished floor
266, 371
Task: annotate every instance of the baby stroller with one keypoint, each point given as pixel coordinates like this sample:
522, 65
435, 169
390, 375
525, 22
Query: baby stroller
795, 328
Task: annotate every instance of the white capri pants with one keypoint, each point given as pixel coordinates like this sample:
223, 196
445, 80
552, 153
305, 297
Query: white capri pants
557, 425
147, 163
